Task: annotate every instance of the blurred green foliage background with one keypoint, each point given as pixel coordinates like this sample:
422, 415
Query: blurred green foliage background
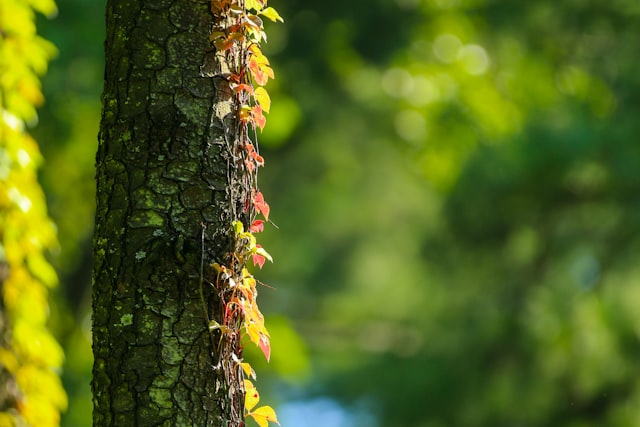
457, 189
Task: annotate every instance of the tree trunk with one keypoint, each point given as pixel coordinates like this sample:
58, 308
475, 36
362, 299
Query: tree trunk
163, 212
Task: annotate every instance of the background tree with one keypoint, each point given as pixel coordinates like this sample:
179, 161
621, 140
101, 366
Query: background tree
477, 182
30, 389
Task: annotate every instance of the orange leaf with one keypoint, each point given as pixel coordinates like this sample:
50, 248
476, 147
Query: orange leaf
258, 118
261, 205
257, 226
265, 346
243, 87
254, 155
258, 260
257, 73
268, 71
250, 165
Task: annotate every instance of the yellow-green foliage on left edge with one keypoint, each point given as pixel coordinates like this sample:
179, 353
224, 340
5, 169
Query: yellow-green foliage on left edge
30, 357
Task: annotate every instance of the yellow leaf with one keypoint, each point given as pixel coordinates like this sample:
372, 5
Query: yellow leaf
7, 420
272, 14
248, 370
253, 4
253, 331
41, 269
263, 415
238, 227
8, 361
48, 7
264, 253
251, 396
262, 97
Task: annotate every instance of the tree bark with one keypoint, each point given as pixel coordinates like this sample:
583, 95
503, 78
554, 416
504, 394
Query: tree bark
163, 212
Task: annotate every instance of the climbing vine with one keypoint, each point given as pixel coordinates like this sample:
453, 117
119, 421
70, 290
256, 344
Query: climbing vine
237, 37
31, 392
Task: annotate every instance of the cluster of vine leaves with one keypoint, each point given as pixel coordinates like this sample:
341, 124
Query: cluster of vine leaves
238, 36
30, 358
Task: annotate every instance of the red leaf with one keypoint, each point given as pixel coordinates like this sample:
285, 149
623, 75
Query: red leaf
261, 205
259, 72
243, 87
258, 118
265, 346
257, 226
258, 260
254, 155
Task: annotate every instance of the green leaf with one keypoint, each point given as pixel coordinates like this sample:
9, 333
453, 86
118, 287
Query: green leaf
238, 228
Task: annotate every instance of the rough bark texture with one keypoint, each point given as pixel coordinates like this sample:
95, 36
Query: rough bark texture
162, 212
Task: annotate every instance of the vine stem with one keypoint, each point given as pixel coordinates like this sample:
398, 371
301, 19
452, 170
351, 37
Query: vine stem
204, 305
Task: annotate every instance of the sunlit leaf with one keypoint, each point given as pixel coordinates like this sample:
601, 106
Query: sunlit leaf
272, 14
261, 205
262, 97
248, 370
253, 330
256, 72
258, 260
251, 396
47, 7
263, 415
253, 4
258, 118
265, 345
255, 22
257, 226
260, 251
